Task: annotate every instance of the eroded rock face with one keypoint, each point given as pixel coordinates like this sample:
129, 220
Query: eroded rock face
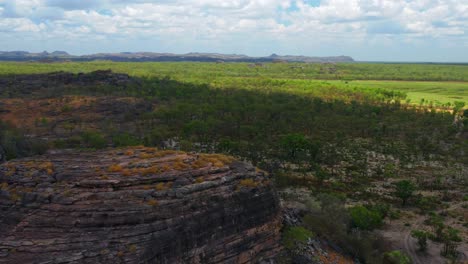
136, 205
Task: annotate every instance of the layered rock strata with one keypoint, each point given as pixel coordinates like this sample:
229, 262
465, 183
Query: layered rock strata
136, 205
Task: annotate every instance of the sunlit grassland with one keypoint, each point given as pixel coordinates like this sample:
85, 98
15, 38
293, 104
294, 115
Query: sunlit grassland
436, 92
439, 84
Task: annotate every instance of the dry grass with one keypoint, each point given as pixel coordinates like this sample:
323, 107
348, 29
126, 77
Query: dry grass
163, 186
150, 171
180, 165
14, 196
145, 156
127, 172
115, 168
10, 171
160, 186
4, 186
200, 179
150, 153
165, 168
132, 248
216, 160
152, 202
248, 183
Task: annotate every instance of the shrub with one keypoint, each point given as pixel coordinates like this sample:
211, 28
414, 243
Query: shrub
404, 190
13, 144
125, 139
421, 236
66, 108
396, 257
294, 236
450, 237
93, 140
365, 219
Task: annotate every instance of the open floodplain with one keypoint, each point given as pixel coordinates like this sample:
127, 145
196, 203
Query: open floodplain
420, 84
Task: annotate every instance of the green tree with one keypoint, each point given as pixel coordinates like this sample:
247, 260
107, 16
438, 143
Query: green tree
421, 236
404, 190
365, 219
396, 257
294, 147
296, 236
450, 238
321, 175
458, 105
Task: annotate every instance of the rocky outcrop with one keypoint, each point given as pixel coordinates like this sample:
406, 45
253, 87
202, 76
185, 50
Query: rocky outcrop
136, 205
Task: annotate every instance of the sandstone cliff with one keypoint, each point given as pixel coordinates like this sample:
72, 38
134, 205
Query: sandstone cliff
136, 205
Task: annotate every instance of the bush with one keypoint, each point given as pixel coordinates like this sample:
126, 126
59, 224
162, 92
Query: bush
404, 190
332, 221
365, 219
91, 139
125, 139
421, 236
294, 236
13, 144
396, 257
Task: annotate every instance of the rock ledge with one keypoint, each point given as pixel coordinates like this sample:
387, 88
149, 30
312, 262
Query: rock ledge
136, 205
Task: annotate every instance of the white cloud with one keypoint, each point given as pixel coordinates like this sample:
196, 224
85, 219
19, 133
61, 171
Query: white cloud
286, 21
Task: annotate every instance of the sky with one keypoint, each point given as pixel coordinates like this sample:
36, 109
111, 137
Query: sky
367, 30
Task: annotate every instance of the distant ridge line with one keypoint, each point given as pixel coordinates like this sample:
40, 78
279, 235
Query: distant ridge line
162, 57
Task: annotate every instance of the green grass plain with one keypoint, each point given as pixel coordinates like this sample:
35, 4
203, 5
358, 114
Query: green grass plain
439, 84
437, 92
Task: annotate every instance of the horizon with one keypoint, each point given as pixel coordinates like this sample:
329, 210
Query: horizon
247, 55
390, 31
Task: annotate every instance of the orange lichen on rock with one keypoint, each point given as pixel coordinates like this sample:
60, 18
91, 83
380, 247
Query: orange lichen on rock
216, 160
152, 202
200, 179
150, 153
115, 168
248, 183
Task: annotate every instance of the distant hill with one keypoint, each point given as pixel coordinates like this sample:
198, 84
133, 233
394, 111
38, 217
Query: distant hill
151, 56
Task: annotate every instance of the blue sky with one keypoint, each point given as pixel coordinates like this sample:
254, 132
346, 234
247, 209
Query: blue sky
369, 30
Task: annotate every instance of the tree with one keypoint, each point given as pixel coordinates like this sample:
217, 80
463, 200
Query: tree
404, 190
421, 236
294, 146
321, 175
450, 238
364, 218
458, 105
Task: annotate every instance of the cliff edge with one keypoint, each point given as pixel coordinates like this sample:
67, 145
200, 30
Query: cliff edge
136, 205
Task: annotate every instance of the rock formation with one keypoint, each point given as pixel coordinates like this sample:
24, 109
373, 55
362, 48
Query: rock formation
136, 205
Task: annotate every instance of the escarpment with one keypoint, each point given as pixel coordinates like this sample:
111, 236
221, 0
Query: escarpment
136, 205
